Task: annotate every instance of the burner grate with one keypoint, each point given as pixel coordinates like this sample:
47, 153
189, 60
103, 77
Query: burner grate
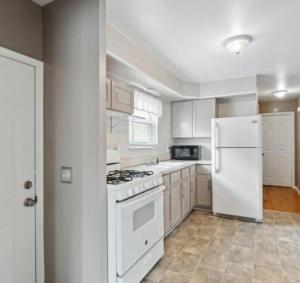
122, 176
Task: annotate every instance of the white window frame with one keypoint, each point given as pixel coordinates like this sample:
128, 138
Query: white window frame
152, 122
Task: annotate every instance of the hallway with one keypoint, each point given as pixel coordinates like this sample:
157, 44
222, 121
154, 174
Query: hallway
281, 199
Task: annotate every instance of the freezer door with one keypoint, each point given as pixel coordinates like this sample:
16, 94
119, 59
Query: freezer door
237, 185
237, 132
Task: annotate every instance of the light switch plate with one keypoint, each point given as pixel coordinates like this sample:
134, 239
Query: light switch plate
66, 175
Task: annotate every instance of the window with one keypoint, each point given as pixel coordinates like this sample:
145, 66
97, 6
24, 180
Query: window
143, 131
143, 125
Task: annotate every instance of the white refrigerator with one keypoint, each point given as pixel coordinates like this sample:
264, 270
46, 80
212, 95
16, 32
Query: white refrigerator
237, 167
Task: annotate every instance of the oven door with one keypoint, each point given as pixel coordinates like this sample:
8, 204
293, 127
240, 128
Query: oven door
139, 226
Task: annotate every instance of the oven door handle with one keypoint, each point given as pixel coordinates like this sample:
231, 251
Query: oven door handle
151, 195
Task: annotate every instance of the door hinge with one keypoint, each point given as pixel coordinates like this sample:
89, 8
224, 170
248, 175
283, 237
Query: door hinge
35, 199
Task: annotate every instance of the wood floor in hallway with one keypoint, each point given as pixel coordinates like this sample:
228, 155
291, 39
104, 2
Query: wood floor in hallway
281, 199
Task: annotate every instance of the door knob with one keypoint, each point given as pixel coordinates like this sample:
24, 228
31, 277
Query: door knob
28, 202
27, 185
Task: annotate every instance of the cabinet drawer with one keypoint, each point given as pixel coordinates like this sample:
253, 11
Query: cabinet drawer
166, 180
204, 169
192, 170
175, 177
185, 173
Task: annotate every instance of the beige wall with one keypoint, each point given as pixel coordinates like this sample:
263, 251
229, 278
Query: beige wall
21, 27
286, 106
75, 71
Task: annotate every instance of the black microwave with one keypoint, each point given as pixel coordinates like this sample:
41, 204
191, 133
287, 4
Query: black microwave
186, 152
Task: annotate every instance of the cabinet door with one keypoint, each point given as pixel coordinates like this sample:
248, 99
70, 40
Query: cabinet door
193, 192
122, 97
167, 211
203, 112
108, 93
175, 204
204, 190
182, 119
186, 197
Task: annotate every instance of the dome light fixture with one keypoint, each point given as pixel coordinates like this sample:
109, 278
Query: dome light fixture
236, 43
280, 93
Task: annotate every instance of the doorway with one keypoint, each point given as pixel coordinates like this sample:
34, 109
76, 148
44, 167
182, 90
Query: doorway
21, 168
278, 149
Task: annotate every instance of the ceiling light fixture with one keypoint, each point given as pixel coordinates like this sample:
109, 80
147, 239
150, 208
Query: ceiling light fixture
280, 93
236, 43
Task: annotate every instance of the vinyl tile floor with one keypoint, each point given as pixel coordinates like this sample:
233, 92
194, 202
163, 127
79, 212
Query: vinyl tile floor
210, 249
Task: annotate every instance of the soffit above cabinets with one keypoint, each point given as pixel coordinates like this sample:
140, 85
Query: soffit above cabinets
42, 2
192, 47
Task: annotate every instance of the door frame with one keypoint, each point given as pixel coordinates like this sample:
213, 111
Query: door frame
39, 156
292, 115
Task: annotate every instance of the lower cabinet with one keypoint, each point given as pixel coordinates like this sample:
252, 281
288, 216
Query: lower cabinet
204, 191
175, 203
193, 191
186, 197
179, 196
167, 210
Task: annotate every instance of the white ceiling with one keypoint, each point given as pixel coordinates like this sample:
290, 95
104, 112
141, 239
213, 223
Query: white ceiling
187, 38
42, 2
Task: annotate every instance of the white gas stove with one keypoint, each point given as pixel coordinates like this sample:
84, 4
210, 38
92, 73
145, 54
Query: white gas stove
135, 223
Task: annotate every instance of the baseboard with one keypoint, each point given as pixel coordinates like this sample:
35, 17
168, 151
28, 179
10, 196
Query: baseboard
297, 189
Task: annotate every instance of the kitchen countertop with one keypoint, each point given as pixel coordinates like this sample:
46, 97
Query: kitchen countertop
165, 167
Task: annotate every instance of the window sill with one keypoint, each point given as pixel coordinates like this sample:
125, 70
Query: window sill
137, 146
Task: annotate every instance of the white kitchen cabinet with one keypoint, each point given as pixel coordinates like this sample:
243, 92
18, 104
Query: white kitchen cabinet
192, 118
167, 211
182, 119
204, 192
175, 203
186, 197
203, 112
122, 97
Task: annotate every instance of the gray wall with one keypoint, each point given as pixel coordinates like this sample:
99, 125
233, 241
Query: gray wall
286, 106
21, 27
75, 131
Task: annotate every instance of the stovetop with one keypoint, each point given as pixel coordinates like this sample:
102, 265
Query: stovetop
123, 176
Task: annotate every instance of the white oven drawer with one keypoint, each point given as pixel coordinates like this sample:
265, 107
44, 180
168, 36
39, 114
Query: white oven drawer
144, 265
140, 225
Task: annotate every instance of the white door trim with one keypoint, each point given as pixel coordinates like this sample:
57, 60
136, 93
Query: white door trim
39, 159
292, 115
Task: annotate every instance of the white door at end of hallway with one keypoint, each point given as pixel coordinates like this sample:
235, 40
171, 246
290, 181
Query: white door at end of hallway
17, 172
277, 137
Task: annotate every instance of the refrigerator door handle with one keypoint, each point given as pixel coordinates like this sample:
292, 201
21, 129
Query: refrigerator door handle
217, 161
216, 134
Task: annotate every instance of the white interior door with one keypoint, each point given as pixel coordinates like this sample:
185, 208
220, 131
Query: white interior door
278, 142
17, 165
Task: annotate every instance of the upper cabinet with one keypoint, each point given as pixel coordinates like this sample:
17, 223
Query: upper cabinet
193, 118
119, 97
182, 119
108, 93
203, 111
